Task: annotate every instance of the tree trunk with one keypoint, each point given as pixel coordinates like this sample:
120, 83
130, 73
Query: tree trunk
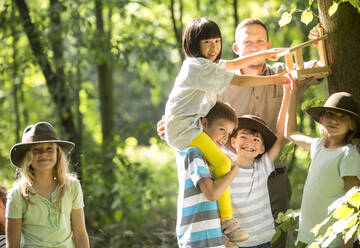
343, 46
15, 77
236, 16
105, 93
55, 83
177, 30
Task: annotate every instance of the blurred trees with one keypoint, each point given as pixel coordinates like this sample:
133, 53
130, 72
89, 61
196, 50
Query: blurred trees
100, 71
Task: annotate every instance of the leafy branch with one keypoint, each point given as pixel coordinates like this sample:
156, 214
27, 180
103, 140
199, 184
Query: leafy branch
307, 15
343, 220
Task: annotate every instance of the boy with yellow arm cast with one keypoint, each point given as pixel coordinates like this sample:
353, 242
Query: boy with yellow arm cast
198, 220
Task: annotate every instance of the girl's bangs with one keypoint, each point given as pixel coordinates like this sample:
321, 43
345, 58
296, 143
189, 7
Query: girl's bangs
209, 31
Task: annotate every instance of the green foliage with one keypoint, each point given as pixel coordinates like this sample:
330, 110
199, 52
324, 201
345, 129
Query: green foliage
286, 221
343, 220
142, 212
307, 14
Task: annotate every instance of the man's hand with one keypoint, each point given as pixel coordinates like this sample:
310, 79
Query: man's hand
283, 78
314, 33
272, 54
161, 127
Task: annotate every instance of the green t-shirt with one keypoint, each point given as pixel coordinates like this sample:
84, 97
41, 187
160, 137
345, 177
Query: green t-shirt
325, 184
42, 224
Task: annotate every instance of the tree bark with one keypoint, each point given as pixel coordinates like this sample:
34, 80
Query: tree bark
15, 77
105, 92
236, 16
55, 83
343, 46
177, 30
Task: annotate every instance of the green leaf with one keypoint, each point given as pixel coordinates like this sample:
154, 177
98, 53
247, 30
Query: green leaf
307, 16
355, 3
333, 8
343, 212
285, 19
118, 215
355, 199
276, 236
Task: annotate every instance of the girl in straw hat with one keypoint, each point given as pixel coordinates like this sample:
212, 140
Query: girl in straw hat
45, 204
335, 166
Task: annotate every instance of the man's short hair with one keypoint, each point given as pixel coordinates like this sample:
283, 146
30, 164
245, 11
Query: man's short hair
3, 193
224, 111
250, 21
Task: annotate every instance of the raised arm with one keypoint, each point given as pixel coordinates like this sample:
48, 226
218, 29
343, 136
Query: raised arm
212, 189
250, 80
291, 132
280, 124
244, 61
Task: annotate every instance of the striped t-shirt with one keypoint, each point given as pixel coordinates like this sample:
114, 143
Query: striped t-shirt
2, 241
251, 202
198, 222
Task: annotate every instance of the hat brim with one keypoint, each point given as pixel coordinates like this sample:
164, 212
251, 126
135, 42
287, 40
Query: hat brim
316, 112
268, 136
18, 151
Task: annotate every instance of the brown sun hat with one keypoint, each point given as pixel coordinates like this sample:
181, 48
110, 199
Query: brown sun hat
341, 102
256, 123
38, 133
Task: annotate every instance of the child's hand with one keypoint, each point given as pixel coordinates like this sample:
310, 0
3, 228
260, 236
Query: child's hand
283, 78
161, 127
314, 34
235, 168
272, 54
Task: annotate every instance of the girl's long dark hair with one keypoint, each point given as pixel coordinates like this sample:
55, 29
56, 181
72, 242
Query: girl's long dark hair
199, 29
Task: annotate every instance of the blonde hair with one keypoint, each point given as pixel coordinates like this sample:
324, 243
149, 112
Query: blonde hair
349, 135
61, 173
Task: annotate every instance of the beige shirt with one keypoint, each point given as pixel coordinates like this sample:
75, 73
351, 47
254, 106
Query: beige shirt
262, 101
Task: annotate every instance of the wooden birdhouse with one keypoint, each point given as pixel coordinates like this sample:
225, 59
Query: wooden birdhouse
299, 72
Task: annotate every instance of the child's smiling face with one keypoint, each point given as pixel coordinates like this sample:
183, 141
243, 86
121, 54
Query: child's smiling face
44, 156
210, 48
218, 130
248, 144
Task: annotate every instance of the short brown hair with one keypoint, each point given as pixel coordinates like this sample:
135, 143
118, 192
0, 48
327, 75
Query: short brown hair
250, 130
3, 193
224, 111
250, 21
201, 28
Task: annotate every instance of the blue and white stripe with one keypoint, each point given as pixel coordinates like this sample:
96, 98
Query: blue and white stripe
198, 223
251, 202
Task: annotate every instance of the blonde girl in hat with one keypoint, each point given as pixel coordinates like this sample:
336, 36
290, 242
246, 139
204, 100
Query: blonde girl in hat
335, 166
45, 205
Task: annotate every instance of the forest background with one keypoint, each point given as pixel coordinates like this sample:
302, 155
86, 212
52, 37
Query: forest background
100, 71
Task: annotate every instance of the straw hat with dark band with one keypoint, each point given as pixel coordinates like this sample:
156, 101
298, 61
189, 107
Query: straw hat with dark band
41, 132
257, 124
341, 102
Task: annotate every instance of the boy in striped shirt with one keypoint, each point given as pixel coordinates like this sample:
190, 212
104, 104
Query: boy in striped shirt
198, 222
256, 148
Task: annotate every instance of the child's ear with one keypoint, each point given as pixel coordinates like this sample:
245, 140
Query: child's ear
232, 141
262, 149
204, 122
